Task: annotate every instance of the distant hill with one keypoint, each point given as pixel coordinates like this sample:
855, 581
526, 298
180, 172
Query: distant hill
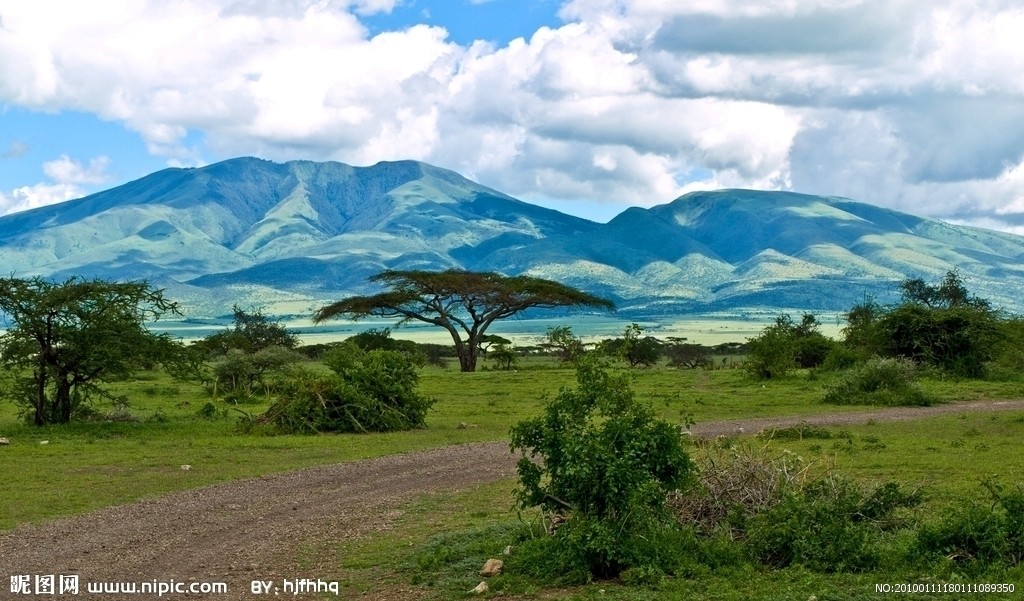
290, 236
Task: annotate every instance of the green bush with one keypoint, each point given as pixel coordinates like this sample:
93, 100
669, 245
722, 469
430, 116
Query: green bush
886, 382
941, 325
812, 349
686, 355
842, 357
830, 525
976, 537
608, 464
368, 392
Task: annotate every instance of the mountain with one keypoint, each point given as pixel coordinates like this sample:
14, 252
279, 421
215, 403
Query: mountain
290, 236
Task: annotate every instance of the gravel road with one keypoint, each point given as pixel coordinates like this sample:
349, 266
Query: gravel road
269, 528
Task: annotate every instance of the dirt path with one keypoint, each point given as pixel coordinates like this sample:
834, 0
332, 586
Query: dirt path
256, 529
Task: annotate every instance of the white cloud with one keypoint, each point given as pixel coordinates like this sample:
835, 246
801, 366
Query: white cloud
67, 180
913, 104
65, 170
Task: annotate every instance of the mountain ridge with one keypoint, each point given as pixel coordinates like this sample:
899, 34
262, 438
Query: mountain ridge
299, 233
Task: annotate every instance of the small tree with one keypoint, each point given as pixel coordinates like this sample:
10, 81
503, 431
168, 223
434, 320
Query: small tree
504, 356
638, 349
687, 355
464, 303
563, 343
253, 331
810, 346
784, 345
771, 353
608, 463
242, 375
72, 336
381, 340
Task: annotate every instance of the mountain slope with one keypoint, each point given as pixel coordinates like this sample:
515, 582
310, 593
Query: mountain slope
293, 235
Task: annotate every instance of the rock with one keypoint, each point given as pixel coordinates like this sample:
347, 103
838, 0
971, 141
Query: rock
4, 441
462, 426
507, 551
186, 467
480, 588
492, 568
44, 442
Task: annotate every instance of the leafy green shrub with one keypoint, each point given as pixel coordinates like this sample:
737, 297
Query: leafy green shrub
887, 382
608, 464
812, 349
562, 343
368, 392
240, 376
504, 356
842, 357
381, 340
770, 355
800, 431
253, 331
976, 537
1007, 361
941, 325
687, 355
830, 525
634, 348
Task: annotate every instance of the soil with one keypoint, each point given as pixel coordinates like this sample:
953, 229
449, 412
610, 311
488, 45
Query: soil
276, 527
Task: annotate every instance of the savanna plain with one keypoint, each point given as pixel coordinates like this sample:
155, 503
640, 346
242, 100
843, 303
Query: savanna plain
434, 546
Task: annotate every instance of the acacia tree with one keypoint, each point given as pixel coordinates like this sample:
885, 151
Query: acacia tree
465, 303
74, 335
253, 332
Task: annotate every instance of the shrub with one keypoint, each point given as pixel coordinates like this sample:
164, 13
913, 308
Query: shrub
887, 382
368, 392
842, 357
241, 375
608, 464
687, 355
253, 331
941, 325
830, 525
812, 349
504, 356
771, 353
976, 537
561, 342
735, 481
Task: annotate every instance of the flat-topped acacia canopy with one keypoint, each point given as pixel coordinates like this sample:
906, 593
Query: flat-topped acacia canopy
465, 303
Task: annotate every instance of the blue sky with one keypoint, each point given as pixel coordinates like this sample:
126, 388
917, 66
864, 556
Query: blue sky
588, 106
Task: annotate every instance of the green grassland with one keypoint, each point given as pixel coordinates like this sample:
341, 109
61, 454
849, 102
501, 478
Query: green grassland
104, 463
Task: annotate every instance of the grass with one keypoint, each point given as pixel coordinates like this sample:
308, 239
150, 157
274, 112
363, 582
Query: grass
102, 464
478, 524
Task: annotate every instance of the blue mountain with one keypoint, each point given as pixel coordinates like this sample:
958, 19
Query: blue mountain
289, 236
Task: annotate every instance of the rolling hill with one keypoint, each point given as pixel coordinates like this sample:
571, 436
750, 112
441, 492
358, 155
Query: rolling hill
290, 236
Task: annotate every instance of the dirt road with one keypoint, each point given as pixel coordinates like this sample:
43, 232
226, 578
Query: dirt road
247, 530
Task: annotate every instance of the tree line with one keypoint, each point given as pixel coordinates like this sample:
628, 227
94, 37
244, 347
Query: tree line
65, 339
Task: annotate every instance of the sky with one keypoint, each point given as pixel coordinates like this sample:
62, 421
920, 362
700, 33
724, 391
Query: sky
587, 106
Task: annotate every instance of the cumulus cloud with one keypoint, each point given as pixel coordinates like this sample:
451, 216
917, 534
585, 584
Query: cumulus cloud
67, 178
913, 104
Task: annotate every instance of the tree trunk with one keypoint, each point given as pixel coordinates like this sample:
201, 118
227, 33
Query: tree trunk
467, 352
40, 400
62, 401
467, 357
